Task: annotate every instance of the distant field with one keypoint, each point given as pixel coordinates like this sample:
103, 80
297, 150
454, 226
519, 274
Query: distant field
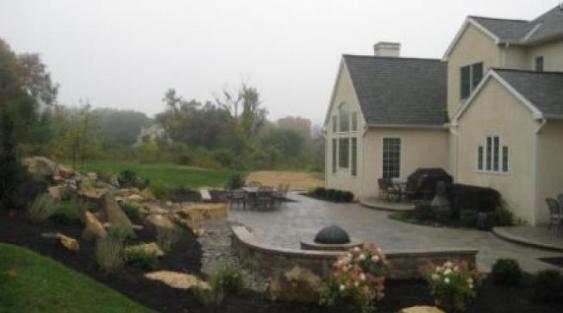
296, 180
32, 283
170, 174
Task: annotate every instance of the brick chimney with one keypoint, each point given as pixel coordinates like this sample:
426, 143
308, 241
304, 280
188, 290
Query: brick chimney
387, 49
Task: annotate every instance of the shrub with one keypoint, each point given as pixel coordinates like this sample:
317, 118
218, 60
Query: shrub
69, 211
359, 275
423, 211
120, 233
160, 190
548, 286
486, 220
228, 280
506, 272
442, 214
110, 254
235, 182
42, 208
451, 284
167, 237
467, 197
223, 157
141, 257
348, 196
132, 210
504, 217
468, 218
128, 179
320, 192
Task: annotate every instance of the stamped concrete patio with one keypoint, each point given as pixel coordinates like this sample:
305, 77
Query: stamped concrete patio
301, 219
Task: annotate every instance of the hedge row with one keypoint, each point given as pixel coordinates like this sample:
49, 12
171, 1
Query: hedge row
333, 195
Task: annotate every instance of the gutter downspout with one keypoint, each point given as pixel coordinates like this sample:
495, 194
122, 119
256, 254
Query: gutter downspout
535, 167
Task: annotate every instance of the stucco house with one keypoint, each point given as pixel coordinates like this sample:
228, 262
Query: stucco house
490, 112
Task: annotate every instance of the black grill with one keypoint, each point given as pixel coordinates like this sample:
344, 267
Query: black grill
421, 184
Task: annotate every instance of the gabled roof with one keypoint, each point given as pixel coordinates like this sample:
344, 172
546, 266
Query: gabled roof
540, 92
399, 91
545, 28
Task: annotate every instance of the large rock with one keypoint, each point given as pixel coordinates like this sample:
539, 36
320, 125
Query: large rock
67, 242
297, 285
421, 309
64, 172
159, 220
88, 190
178, 280
41, 167
199, 212
153, 208
94, 229
115, 216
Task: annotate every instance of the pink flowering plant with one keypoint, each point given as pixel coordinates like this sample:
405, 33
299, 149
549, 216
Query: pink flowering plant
452, 284
358, 275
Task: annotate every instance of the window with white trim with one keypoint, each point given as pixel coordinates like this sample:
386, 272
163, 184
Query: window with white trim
470, 77
492, 157
334, 155
343, 152
354, 117
354, 148
344, 118
334, 124
391, 157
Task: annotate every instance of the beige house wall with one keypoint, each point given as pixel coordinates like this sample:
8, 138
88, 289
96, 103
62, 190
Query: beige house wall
474, 46
420, 147
549, 166
343, 93
495, 111
552, 55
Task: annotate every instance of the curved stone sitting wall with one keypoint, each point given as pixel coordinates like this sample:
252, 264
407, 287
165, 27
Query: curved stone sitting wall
269, 260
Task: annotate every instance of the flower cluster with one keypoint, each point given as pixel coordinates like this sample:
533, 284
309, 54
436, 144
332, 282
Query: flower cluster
452, 284
359, 275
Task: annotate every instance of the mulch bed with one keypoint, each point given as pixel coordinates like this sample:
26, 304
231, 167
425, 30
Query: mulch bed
187, 254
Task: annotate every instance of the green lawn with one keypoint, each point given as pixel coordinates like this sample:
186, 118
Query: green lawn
32, 283
171, 175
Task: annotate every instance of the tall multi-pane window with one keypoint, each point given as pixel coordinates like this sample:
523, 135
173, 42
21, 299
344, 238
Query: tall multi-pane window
343, 150
470, 77
354, 170
391, 157
354, 117
493, 157
334, 155
344, 117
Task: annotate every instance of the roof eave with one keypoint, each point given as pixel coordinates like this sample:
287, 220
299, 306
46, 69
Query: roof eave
418, 126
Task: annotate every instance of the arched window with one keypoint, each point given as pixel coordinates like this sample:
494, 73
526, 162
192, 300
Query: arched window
344, 117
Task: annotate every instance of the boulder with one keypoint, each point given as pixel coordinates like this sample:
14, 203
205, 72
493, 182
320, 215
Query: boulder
203, 211
41, 167
115, 215
135, 198
94, 229
88, 190
154, 208
421, 309
147, 194
178, 280
55, 192
149, 248
64, 172
92, 176
159, 220
67, 242
297, 285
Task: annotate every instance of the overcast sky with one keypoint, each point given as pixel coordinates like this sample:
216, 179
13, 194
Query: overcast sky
126, 53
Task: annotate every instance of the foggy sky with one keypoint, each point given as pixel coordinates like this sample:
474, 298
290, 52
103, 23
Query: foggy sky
126, 53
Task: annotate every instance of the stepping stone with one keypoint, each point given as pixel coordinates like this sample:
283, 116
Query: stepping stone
205, 195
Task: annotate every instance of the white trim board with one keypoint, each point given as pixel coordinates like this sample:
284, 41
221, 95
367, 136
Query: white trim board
492, 74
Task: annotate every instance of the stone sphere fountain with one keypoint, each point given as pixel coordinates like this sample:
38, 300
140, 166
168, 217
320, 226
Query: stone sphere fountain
331, 238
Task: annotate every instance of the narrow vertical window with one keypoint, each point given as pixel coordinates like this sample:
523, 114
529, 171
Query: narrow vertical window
344, 117
480, 158
343, 152
334, 155
465, 87
489, 149
354, 121
539, 64
496, 153
505, 159
391, 157
354, 170
476, 75
334, 124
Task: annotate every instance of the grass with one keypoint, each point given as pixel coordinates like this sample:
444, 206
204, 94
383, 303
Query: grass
32, 283
171, 175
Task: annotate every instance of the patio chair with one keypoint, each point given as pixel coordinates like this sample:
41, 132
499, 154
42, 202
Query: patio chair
237, 197
387, 189
265, 198
555, 214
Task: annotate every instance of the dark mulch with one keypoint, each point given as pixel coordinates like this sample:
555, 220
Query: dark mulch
557, 261
186, 256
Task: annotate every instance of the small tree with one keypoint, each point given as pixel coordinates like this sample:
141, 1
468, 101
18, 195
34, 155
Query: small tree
11, 171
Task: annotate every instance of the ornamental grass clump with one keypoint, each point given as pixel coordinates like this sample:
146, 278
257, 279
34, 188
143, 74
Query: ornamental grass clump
358, 275
453, 285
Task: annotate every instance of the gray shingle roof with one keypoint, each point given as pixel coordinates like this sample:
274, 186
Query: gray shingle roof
399, 91
547, 27
543, 89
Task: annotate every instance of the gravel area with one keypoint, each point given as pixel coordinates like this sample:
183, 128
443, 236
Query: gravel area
217, 251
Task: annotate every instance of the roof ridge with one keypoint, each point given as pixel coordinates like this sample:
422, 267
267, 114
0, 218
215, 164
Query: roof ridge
391, 58
499, 19
525, 71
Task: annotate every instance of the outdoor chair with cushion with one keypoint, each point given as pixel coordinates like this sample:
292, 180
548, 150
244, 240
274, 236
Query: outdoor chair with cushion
237, 197
387, 189
555, 214
265, 198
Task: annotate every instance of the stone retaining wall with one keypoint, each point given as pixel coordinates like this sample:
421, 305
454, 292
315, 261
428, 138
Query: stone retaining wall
269, 260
